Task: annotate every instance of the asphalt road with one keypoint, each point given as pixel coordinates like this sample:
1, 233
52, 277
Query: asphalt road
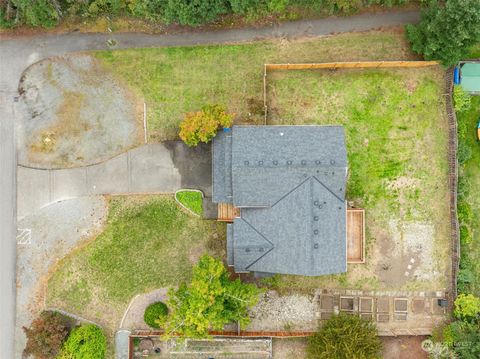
16, 54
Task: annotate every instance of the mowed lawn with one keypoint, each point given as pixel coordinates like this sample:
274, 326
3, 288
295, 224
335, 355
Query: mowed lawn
396, 133
177, 80
148, 242
469, 200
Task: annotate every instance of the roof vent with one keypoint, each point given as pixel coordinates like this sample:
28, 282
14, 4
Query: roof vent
247, 250
281, 133
289, 162
316, 203
304, 162
315, 246
332, 162
260, 163
316, 218
275, 162
246, 163
315, 232
318, 162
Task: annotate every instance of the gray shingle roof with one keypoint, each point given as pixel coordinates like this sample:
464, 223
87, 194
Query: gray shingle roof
290, 182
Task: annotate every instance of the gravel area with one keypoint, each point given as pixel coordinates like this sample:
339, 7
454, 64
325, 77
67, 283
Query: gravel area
283, 313
74, 113
43, 239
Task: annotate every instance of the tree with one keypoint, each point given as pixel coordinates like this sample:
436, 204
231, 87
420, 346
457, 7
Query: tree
467, 307
203, 125
345, 336
46, 335
210, 301
446, 33
85, 342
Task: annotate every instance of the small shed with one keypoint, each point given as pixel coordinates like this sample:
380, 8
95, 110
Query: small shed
470, 77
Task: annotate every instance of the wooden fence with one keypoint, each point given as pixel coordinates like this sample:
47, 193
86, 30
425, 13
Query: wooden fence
338, 65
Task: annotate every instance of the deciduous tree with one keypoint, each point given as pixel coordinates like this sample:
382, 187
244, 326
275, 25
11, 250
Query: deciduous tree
203, 125
446, 33
209, 301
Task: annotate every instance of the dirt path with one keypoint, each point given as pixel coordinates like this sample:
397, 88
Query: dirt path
16, 54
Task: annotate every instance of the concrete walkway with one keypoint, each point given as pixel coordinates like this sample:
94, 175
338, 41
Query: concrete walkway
155, 168
18, 53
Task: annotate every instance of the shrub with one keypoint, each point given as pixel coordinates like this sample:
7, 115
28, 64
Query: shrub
447, 32
193, 12
464, 152
465, 213
465, 235
155, 314
463, 338
84, 342
203, 125
467, 307
46, 334
344, 336
462, 99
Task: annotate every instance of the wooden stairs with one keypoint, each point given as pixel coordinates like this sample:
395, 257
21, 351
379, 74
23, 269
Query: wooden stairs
227, 212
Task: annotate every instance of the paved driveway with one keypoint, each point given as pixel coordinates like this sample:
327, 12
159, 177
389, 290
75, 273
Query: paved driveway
16, 54
155, 168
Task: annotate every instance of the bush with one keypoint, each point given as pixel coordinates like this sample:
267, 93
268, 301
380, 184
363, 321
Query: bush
465, 213
46, 334
345, 336
447, 32
85, 342
463, 338
462, 99
467, 307
203, 125
193, 12
155, 314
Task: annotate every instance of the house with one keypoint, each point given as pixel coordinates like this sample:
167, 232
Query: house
287, 184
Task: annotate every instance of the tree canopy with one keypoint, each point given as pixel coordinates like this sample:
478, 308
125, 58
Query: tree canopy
446, 33
209, 301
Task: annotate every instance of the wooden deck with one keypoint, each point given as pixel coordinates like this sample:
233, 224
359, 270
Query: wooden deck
355, 235
227, 212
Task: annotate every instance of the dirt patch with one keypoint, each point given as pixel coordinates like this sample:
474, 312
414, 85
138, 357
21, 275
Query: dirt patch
74, 113
284, 348
407, 347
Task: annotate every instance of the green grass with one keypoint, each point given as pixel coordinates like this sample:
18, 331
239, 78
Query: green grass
469, 200
177, 80
396, 133
192, 200
147, 243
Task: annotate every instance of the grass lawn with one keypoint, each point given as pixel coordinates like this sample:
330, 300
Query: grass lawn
396, 132
191, 200
469, 200
148, 242
177, 80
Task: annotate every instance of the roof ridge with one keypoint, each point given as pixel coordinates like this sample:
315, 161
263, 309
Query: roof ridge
261, 235
328, 189
291, 191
